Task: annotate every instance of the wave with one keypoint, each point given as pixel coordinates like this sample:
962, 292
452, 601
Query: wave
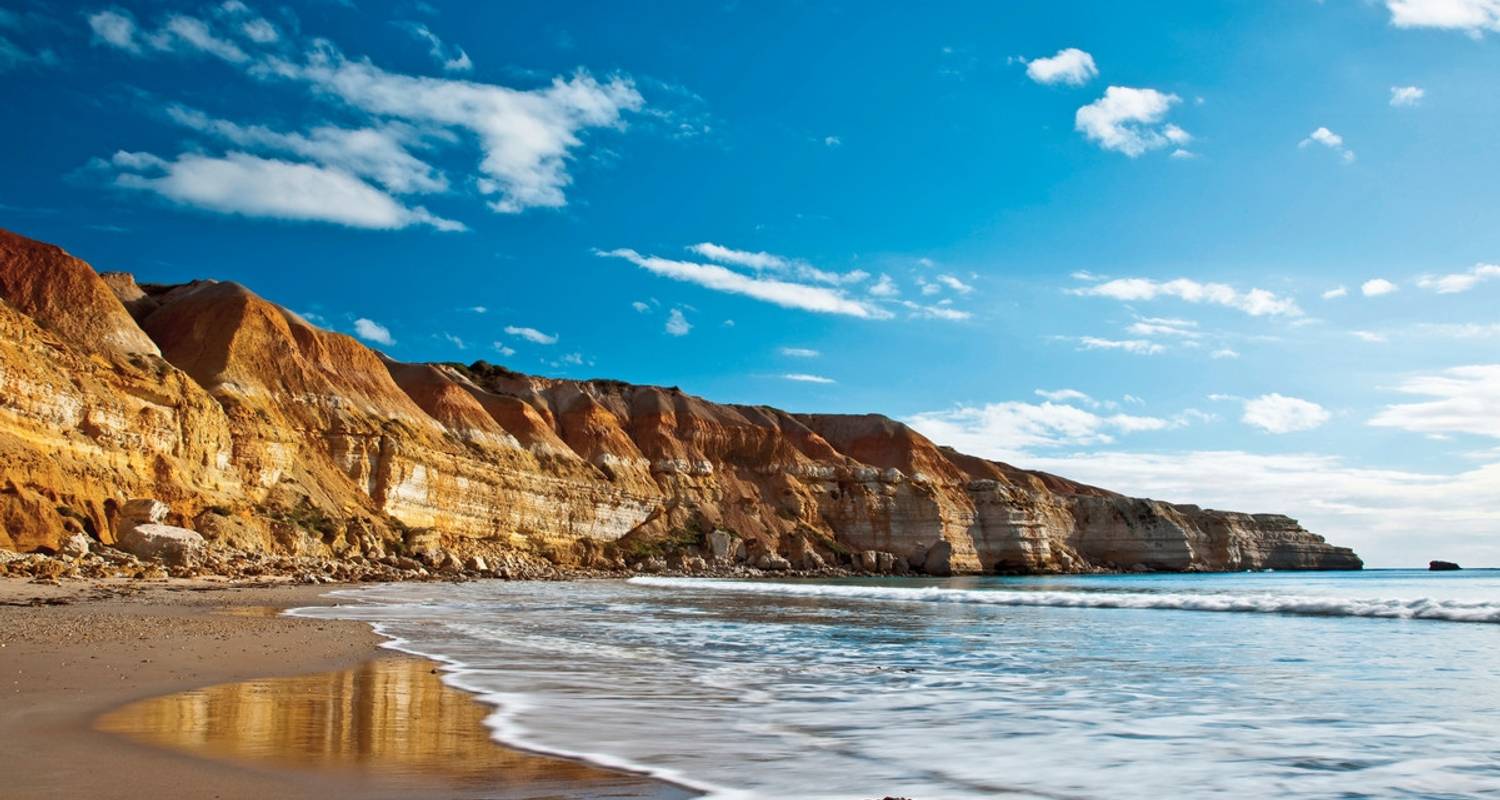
1422, 608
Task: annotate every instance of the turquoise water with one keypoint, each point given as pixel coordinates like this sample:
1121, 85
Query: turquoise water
1309, 685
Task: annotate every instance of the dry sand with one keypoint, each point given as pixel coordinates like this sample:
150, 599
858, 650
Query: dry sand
249, 704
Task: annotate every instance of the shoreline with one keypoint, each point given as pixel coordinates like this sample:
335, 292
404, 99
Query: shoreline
74, 653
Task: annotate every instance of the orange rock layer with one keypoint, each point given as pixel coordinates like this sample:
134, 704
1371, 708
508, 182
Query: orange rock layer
266, 432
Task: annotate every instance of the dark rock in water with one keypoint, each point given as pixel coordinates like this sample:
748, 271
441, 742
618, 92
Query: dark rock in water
1442, 566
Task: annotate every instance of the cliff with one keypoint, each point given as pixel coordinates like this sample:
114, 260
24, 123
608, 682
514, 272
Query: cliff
268, 434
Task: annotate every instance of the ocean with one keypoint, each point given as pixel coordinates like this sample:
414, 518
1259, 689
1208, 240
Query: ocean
1382, 683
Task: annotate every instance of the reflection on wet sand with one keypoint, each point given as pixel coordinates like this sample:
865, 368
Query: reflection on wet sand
390, 720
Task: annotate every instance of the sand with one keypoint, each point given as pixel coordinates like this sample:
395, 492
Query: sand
194, 689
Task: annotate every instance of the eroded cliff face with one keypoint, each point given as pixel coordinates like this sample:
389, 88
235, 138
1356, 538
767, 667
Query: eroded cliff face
267, 433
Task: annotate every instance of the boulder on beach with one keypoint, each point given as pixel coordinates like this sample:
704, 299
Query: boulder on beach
1442, 566
173, 545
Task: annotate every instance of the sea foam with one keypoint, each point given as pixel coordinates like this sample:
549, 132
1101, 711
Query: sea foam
1421, 608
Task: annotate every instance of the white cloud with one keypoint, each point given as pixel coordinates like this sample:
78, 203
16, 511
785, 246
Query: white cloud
677, 324
379, 154
1066, 395
503, 349
1164, 326
1330, 140
1375, 287
1465, 400
799, 352
832, 141
1006, 430
531, 334
527, 137
117, 28
1070, 65
372, 331
740, 258
454, 340
260, 31
1276, 413
1462, 330
1406, 96
768, 262
1136, 346
920, 311
1459, 281
1335, 293
803, 377
955, 284
451, 60
1126, 120
1474, 17
1369, 336
239, 183
885, 287
1255, 302
1224, 352
641, 307
195, 34
479, 309
783, 293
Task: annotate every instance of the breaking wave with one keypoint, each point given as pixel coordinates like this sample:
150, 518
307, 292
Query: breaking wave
1422, 608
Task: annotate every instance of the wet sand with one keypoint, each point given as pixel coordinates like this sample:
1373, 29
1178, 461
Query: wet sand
124, 690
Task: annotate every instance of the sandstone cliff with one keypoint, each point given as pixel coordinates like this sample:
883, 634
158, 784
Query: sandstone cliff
269, 434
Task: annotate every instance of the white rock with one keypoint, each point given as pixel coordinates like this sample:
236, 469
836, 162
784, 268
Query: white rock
170, 544
144, 511
75, 546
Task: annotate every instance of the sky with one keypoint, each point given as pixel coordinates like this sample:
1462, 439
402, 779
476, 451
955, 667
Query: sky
1239, 254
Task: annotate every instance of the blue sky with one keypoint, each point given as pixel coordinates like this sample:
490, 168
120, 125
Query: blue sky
1239, 254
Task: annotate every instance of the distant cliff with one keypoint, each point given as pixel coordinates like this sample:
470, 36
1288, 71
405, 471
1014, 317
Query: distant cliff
266, 433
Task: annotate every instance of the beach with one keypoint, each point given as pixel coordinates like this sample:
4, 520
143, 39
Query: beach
74, 653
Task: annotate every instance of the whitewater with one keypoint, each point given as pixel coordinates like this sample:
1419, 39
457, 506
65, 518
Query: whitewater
1307, 685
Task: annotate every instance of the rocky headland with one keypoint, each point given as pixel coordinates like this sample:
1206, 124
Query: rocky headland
151, 430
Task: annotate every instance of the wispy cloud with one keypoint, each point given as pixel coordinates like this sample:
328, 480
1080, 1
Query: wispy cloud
1463, 400
251, 186
1255, 302
1008, 430
452, 59
768, 262
526, 136
787, 294
803, 377
1456, 282
531, 334
1139, 347
799, 352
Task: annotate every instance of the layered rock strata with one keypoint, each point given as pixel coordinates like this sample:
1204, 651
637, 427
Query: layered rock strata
268, 434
